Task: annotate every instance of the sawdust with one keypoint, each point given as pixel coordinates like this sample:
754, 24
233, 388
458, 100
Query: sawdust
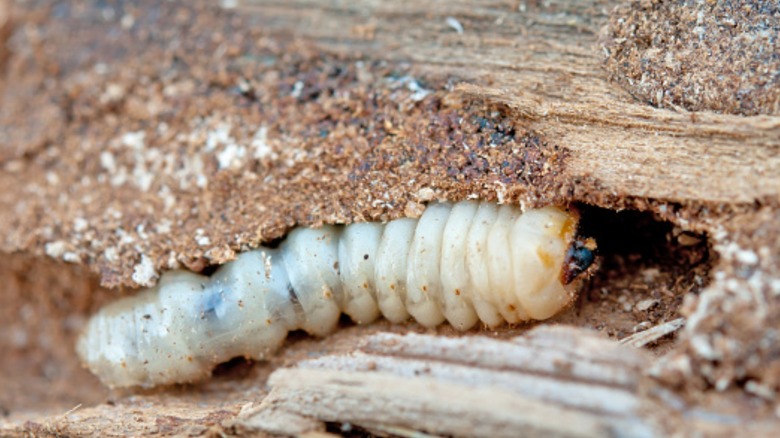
239, 140
732, 333
718, 56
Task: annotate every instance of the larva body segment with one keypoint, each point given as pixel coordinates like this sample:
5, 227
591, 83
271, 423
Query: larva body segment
311, 260
458, 305
423, 285
357, 250
390, 270
476, 261
462, 262
245, 308
499, 265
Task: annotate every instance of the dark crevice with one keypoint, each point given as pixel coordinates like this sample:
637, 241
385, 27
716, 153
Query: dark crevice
633, 237
645, 267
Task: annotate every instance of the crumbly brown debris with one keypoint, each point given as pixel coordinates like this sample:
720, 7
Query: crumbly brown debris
732, 335
700, 55
222, 140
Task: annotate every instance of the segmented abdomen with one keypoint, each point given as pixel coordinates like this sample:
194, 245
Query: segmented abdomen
462, 263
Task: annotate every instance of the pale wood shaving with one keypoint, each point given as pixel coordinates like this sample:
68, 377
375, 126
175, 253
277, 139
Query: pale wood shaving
639, 340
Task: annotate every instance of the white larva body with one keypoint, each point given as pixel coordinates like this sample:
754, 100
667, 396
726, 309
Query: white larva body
462, 263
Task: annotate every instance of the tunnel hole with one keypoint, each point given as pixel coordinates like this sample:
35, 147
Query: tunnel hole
234, 369
646, 266
639, 235
210, 269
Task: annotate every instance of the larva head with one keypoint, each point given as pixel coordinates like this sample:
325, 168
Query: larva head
541, 241
579, 257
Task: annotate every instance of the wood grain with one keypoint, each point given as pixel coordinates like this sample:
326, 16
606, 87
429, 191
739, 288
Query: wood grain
545, 63
471, 386
541, 61
555, 381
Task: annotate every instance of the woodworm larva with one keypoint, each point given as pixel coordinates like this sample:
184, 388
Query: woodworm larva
463, 263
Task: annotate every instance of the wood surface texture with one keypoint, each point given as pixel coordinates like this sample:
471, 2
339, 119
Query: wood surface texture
546, 64
138, 137
554, 381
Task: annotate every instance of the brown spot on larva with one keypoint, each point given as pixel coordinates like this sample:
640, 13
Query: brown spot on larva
392, 286
124, 364
268, 322
569, 227
336, 266
546, 258
365, 256
511, 307
457, 291
365, 285
425, 288
189, 359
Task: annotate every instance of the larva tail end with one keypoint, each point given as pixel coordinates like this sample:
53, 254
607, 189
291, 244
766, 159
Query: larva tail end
580, 257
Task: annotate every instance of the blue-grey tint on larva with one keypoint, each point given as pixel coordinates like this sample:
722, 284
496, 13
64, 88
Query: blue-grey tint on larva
462, 263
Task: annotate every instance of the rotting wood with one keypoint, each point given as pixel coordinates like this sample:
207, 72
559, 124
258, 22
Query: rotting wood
368, 399
558, 381
543, 63
547, 66
469, 387
719, 56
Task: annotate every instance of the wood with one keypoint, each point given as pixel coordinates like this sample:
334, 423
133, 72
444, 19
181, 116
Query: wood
556, 381
539, 62
547, 66
643, 338
468, 387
